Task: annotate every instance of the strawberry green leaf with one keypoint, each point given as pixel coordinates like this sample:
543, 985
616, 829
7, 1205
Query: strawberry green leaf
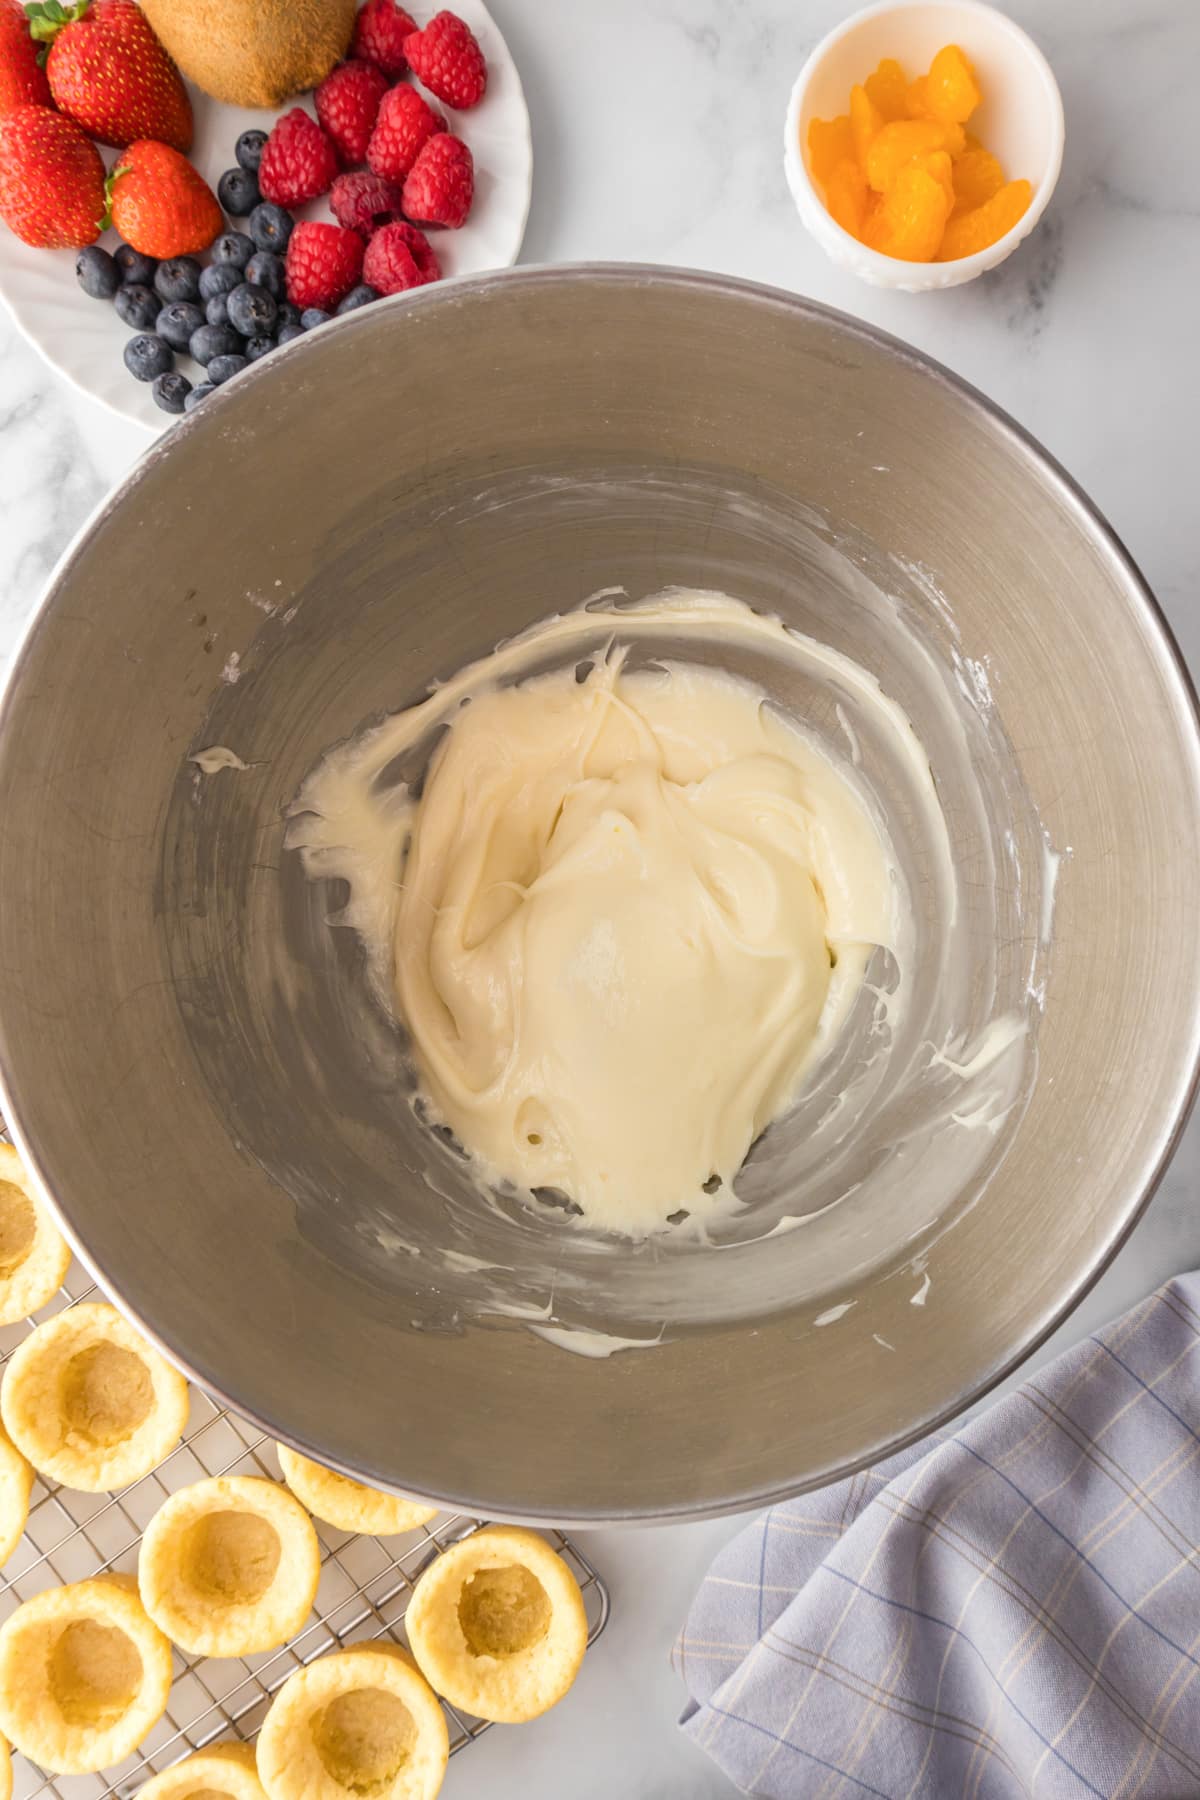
48, 17
110, 187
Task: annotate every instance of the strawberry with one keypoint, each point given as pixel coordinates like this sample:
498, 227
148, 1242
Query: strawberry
446, 59
299, 162
160, 205
399, 257
323, 263
51, 180
22, 79
379, 34
363, 202
347, 103
441, 186
404, 125
110, 74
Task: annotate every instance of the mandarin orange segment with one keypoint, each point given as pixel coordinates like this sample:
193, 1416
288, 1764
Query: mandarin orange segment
901, 174
977, 176
904, 140
938, 164
830, 141
917, 101
911, 218
866, 122
952, 91
984, 225
869, 226
887, 89
846, 194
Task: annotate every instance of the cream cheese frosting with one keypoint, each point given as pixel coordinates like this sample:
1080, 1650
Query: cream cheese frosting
622, 915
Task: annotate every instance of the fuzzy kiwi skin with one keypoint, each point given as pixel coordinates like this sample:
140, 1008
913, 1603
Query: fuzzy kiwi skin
253, 52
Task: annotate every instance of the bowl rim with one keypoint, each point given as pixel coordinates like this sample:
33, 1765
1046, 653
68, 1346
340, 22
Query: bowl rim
1108, 543
871, 265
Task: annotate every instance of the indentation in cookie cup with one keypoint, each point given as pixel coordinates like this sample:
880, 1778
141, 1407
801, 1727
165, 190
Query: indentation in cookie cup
229, 1566
84, 1675
220, 1772
90, 1403
34, 1256
361, 1722
498, 1625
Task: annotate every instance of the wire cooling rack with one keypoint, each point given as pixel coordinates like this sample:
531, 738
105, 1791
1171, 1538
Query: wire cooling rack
364, 1589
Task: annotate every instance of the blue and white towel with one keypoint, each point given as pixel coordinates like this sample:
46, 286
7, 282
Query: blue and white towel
1011, 1610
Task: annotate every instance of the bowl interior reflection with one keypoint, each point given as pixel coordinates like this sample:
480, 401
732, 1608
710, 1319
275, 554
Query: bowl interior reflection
224, 1116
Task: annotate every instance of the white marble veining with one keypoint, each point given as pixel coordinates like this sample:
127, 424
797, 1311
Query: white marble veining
657, 137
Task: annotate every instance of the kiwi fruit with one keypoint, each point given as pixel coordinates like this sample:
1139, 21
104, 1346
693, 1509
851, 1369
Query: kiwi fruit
253, 52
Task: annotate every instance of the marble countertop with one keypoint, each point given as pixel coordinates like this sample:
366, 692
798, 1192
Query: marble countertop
657, 128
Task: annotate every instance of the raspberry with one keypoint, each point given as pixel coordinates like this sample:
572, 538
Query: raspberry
363, 202
379, 34
347, 103
398, 257
441, 186
393, 269
405, 124
323, 263
446, 59
299, 161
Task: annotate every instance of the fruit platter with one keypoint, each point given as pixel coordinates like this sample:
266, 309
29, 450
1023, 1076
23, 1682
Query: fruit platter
186, 189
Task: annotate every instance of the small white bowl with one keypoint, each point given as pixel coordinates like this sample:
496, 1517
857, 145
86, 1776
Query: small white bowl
1020, 120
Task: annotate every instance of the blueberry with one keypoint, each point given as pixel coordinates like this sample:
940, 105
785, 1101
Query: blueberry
177, 322
252, 310
238, 192
97, 273
359, 296
220, 278
224, 368
233, 247
200, 392
147, 357
265, 270
171, 391
178, 279
270, 226
258, 347
216, 310
288, 315
214, 340
137, 306
289, 332
312, 316
249, 149
134, 266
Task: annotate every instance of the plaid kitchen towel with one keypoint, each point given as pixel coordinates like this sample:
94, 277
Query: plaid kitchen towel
1011, 1610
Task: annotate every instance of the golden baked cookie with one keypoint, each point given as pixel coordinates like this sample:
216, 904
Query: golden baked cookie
6, 1779
90, 1402
229, 1566
84, 1674
497, 1625
221, 1772
34, 1256
361, 1721
349, 1505
16, 1484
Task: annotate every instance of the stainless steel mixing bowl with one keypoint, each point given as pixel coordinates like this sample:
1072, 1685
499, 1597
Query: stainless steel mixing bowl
187, 1056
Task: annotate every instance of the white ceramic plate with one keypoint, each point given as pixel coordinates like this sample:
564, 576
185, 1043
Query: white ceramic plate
84, 339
